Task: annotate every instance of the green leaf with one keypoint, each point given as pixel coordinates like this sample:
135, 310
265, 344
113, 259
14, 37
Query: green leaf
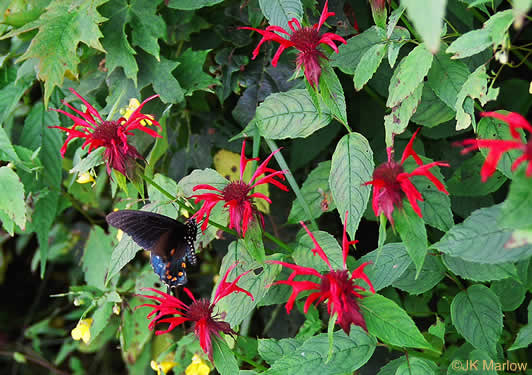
390, 323
476, 313
397, 121
135, 332
477, 271
64, 25
432, 111
238, 306
10, 97
192, 4
369, 62
446, 77
427, 19
397, 39
271, 350
253, 242
290, 114
7, 152
349, 55
190, 72
411, 229
349, 353
408, 75
122, 254
510, 292
431, 274
391, 367
44, 213
96, 255
352, 165
466, 180
224, 359
102, 317
332, 93
279, 12
492, 128
470, 44
12, 198
480, 239
148, 26
159, 74
416, 365
316, 192
303, 255
476, 87
518, 204
393, 260
524, 336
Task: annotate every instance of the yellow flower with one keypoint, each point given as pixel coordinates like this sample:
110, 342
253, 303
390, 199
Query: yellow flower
85, 178
197, 367
119, 235
134, 104
116, 309
82, 330
163, 367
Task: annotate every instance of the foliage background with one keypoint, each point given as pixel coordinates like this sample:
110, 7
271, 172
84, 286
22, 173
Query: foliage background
55, 240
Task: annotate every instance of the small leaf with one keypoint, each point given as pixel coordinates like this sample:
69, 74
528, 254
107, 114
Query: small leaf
352, 166
432, 111
279, 12
480, 239
408, 75
159, 74
390, 323
190, 72
411, 229
397, 121
476, 313
470, 44
12, 197
332, 93
369, 62
350, 54
446, 77
290, 114
224, 359
192, 4
427, 19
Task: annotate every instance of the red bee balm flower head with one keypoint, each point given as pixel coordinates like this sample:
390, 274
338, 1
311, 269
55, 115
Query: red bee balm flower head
336, 286
391, 183
497, 147
112, 135
238, 195
305, 39
200, 312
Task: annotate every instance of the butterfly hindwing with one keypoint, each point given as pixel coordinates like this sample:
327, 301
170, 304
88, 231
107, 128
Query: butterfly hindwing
171, 243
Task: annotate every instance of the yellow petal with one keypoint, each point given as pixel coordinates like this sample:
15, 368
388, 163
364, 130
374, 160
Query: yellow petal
197, 367
119, 235
82, 330
162, 367
85, 178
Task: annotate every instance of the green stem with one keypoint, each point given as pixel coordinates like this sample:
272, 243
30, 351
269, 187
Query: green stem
293, 184
277, 241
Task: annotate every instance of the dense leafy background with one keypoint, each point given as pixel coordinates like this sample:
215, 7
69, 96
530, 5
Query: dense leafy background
453, 286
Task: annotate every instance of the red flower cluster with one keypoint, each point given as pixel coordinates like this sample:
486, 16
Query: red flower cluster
112, 135
199, 312
238, 195
336, 286
391, 183
497, 147
305, 39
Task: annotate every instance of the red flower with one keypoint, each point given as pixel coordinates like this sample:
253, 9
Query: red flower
112, 135
497, 147
336, 286
199, 312
305, 39
391, 183
237, 194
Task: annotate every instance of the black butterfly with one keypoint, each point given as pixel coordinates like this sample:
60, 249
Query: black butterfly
171, 243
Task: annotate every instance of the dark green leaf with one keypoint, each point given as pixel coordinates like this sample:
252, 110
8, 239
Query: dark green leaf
350, 54
191, 4
279, 12
431, 274
332, 93
446, 77
159, 74
369, 62
271, 350
510, 292
96, 255
411, 229
431, 111
416, 365
190, 72
477, 271
466, 181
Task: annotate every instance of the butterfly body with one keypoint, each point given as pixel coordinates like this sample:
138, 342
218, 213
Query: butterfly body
170, 242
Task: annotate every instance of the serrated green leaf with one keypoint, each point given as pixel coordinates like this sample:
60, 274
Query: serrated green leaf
476, 313
191, 4
427, 19
159, 74
510, 292
397, 121
64, 25
352, 165
12, 198
393, 260
476, 87
332, 93
96, 255
431, 274
135, 332
224, 359
446, 78
190, 72
369, 62
303, 255
271, 350
279, 12
477, 271
349, 55
90, 161
349, 353
524, 336
390, 323
316, 192
417, 365
518, 204
290, 114
411, 229
432, 111
480, 239
7, 152
148, 26
408, 75
396, 40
